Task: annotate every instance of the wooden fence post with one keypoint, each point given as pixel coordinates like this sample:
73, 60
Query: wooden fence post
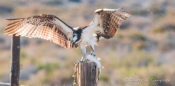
15, 66
85, 74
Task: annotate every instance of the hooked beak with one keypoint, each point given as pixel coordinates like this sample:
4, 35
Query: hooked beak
73, 44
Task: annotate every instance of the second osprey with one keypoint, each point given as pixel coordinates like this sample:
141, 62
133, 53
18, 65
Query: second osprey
104, 25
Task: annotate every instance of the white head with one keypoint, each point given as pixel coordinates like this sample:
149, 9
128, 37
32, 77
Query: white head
76, 37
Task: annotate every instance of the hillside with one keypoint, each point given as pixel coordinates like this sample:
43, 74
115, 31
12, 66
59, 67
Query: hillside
142, 49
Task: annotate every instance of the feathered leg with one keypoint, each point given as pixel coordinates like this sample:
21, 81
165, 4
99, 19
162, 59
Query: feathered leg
83, 49
93, 50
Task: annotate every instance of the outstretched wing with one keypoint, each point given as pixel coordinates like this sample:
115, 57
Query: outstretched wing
108, 21
43, 26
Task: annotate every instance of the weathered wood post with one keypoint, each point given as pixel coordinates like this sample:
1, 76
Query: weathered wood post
85, 74
15, 66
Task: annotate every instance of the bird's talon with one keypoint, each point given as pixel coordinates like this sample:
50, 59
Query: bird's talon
87, 60
76, 62
83, 60
93, 54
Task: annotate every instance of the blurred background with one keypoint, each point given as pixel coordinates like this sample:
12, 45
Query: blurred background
144, 47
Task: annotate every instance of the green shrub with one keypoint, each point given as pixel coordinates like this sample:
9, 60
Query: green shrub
48, 67
104, 78
138, 36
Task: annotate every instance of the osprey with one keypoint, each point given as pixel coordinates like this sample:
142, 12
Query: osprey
104, 25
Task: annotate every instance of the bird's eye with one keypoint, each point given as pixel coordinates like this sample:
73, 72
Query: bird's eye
74, 35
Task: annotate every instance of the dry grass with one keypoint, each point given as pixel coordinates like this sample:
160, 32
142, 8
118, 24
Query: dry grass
124, 56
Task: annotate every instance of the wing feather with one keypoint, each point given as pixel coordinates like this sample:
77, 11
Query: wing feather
48, 27
109, 20
11, 30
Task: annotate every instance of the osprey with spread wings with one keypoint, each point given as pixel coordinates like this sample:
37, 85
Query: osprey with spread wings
104, 25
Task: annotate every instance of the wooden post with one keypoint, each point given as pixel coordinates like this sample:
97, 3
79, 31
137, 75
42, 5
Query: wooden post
15, 66
85, 74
